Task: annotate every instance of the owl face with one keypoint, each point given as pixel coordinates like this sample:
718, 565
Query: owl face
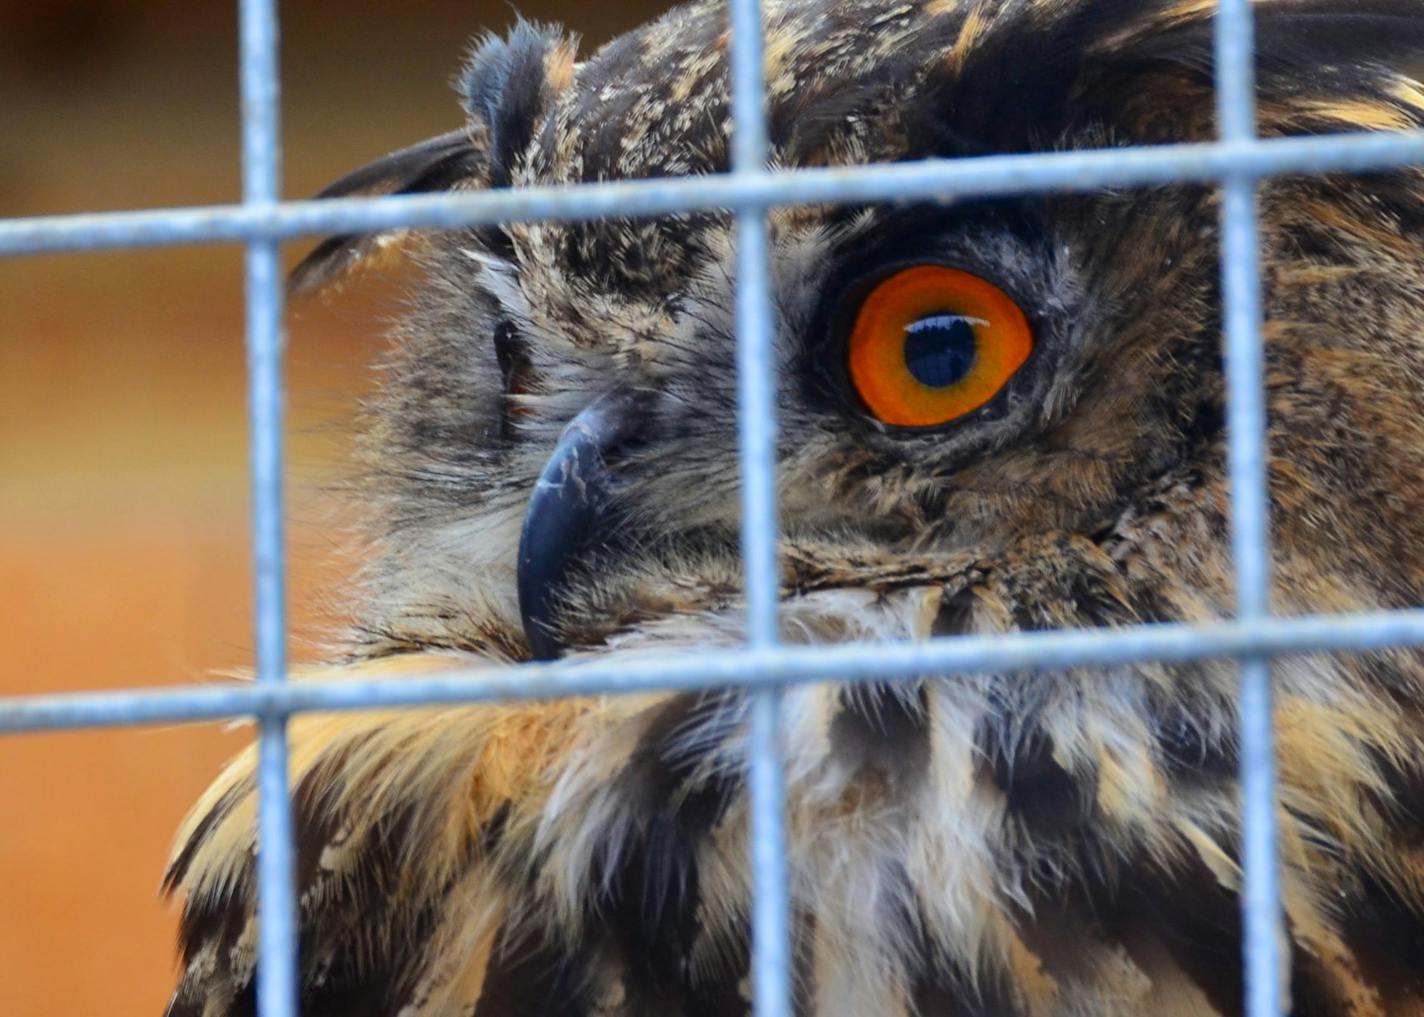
997, 437
1026, 387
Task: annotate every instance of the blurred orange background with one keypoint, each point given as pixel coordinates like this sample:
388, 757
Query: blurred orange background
123, 489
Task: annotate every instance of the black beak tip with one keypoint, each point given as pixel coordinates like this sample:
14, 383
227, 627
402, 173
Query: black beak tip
564, 512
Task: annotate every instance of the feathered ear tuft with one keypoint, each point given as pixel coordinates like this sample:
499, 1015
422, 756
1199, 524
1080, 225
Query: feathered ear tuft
437, 164
506, 86
509, 83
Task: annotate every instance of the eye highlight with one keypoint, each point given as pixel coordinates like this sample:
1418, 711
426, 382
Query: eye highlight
931, 344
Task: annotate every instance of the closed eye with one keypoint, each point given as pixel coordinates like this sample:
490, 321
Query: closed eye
516, 373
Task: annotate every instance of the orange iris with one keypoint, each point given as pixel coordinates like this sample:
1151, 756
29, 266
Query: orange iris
931, 344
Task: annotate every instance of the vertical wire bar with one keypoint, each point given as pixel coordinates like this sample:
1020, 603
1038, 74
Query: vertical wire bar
1247, 463
261, 164
756, 398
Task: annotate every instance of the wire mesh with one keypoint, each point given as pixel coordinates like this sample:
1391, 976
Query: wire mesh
1237, 161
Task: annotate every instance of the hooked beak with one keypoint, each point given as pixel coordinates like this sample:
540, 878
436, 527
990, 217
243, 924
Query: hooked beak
564, 511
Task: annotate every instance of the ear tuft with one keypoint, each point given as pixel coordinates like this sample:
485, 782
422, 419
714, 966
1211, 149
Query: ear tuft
436, 164
508, 83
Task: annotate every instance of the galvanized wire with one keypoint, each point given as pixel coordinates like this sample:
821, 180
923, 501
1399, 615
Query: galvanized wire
261, 186
1003, 653
930, 179
756, 403
1250, 507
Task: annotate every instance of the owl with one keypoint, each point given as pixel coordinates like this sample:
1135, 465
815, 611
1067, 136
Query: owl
996, 416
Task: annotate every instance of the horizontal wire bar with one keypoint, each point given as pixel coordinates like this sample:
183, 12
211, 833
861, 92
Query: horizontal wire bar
985, 176
708, 668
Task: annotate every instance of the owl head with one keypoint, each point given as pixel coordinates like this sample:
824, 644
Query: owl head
1019, 398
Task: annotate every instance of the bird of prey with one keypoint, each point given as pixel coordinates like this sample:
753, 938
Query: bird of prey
995, 416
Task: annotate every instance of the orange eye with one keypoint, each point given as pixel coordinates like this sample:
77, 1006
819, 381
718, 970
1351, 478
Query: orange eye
931, 344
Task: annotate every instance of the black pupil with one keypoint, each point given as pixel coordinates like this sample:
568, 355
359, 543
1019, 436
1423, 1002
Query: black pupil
939, 349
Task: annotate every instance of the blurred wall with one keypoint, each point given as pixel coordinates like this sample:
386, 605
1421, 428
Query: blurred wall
123, 492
